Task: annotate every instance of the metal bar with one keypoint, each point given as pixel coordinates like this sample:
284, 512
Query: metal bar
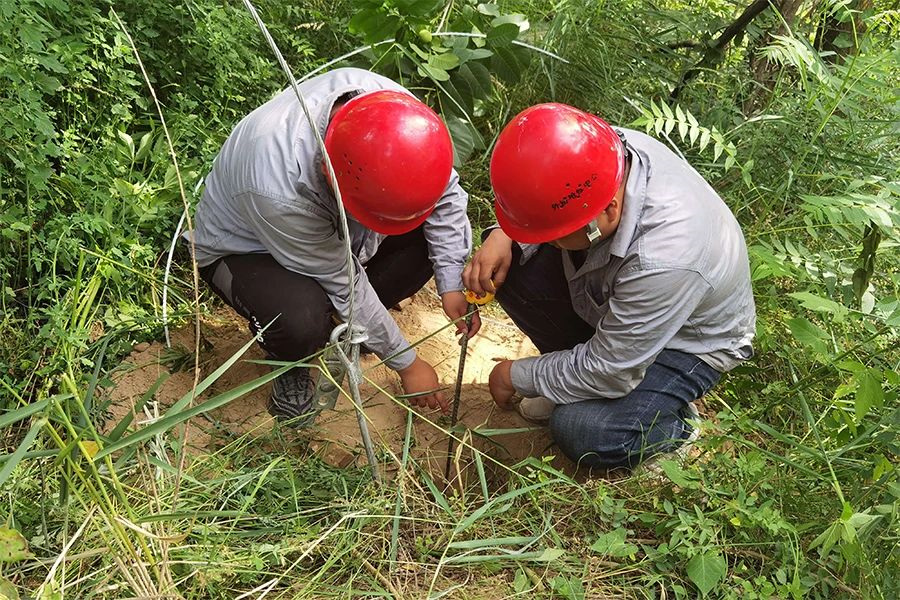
458, 391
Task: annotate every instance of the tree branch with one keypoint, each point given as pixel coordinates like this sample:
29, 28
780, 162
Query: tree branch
715, 52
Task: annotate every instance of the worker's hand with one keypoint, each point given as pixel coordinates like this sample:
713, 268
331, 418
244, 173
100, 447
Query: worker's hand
420, 377
500, 384
488, 268
455, 307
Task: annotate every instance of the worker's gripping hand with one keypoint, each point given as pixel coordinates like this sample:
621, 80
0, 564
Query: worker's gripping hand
489, 265
456, 307
500, 384
418, 378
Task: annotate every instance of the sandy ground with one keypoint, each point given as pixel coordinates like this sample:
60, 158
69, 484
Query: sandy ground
335, 436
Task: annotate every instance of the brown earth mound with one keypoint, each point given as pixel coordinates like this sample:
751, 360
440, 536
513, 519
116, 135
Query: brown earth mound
335, 436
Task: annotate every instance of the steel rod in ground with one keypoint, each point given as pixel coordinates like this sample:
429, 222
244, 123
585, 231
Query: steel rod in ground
458, 391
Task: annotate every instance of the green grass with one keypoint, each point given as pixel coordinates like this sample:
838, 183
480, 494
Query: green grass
794, 492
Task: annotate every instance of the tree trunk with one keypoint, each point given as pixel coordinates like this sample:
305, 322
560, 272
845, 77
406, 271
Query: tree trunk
763, 70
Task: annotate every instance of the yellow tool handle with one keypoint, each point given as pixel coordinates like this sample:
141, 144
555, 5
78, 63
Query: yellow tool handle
472, 298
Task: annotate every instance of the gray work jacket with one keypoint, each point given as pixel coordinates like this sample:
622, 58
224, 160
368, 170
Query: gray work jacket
266, 193
674, 275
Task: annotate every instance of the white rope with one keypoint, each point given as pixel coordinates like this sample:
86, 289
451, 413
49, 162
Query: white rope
165, 294
351, 269
344, 57
355, 334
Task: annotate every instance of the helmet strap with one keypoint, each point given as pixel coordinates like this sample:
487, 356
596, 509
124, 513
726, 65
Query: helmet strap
593, 233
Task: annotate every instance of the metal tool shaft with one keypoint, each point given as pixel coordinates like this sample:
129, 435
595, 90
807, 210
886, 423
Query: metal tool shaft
458, 391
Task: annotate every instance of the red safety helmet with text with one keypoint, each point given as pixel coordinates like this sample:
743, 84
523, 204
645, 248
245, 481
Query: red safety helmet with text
553, 170
392, 156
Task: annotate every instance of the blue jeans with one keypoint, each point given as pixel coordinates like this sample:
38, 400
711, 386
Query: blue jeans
603, 433
608, 434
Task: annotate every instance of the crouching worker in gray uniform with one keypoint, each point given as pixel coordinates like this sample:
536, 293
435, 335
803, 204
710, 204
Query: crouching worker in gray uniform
269, 240
630, 275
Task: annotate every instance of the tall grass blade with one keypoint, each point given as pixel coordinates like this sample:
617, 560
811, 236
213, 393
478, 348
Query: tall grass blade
17, 456
172, 419
398, 507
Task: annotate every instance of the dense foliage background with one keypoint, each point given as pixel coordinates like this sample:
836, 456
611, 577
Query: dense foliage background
788, 107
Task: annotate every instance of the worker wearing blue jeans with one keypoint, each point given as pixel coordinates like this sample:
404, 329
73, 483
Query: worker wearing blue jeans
627, 271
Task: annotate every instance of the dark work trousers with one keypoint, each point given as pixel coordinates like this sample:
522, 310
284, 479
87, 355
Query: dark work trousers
602, 433
260, 289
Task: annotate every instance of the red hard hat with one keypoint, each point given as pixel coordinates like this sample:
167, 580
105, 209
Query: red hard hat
392, 156
553, 170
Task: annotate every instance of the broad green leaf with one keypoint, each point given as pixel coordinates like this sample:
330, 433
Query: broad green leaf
809, 334
706, 570
507, 65
550, 554
478, 77
670, 125
418, 8
612, 543
374, 25
16, 457
502, 35
869, 393
489, 9
445, 61
819, 304
461, 132
677, 474
426, 70
704, 139
467, 54
7, 590
126, 139
521, 583
13, 546
519, 20
456, 100
666, 110
569, 588
828, 538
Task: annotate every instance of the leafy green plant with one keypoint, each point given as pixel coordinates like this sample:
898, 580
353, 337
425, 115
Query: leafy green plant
450, 50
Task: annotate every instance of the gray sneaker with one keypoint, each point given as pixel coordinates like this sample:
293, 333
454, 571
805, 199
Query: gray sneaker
536, 409
692, 419
292, 394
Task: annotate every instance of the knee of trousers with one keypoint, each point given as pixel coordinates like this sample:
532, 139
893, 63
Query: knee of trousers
297, 335
592, 443
610, 443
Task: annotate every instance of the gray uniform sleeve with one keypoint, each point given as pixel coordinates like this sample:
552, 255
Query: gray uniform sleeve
449, 237
644, 313
305, 242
